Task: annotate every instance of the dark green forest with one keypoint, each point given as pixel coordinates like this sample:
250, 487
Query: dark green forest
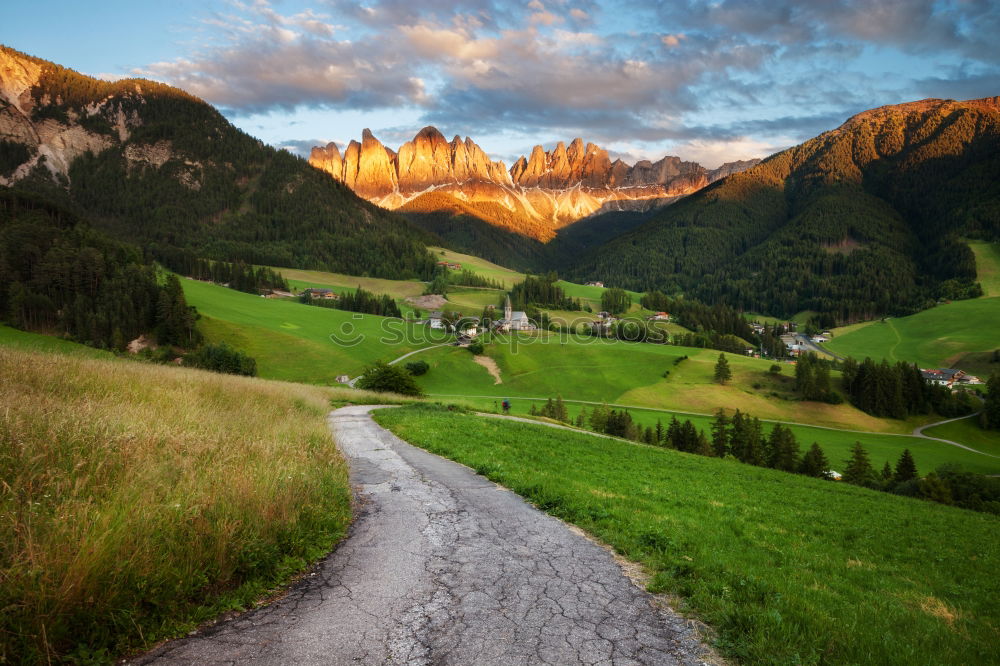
58, 275
858, 222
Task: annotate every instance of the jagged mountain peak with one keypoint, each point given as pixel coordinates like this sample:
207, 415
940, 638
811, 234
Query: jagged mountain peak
552, 188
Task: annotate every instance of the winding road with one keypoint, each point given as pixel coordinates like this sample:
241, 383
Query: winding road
441, 566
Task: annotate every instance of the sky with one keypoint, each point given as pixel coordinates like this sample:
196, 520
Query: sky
708, 81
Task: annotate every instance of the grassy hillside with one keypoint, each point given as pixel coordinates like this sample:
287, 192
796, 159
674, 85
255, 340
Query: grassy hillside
140, 499
968, 432
937, 337
987, 266
488, 269
399, 289
632, 374
27, 341
300, 342
785, 569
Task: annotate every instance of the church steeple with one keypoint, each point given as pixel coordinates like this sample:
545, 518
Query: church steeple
508, 311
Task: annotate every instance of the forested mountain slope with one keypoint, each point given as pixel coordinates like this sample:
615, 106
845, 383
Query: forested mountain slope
859, 221
154, 165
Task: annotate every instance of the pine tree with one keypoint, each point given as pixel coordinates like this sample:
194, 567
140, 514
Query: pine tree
886, 473
581, 418
859, 469
599, 418
783, 449
649, 436
722, 371
720, 434
560, 411
704, 448
815, 463
906, 468
673, 432
660, 432
991, 405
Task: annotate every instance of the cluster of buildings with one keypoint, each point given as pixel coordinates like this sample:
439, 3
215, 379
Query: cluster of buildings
450, 265
325, 294
949, 377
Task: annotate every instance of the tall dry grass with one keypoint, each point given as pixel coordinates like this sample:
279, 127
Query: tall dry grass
137, 498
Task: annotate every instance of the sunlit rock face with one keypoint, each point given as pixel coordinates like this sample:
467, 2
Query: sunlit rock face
540, 193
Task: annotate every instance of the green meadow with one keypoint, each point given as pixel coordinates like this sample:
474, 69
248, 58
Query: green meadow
936, 337
955, 334
881, 447
504, 276
785, 569
594, 369
297, 342
968, 432
26, 341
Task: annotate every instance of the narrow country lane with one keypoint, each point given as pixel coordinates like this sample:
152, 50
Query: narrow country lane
441, 566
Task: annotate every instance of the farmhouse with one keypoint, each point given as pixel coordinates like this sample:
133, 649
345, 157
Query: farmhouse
434, 319
948, 377
660, 316
328, 294
594, 283
451, 265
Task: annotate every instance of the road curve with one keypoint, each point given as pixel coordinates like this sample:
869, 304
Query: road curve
441, 566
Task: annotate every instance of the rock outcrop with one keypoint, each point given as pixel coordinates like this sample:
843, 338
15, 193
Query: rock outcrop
548, 188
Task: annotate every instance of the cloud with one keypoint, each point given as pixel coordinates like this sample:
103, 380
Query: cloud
730, 74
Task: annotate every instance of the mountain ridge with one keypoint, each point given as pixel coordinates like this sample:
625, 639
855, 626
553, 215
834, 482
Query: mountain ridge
547, 190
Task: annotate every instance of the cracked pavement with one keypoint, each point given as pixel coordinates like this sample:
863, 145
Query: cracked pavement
442, 566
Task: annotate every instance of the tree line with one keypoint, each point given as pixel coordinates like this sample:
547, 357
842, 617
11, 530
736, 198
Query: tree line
361, 300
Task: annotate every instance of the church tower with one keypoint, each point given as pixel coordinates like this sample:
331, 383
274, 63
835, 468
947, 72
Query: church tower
508, 312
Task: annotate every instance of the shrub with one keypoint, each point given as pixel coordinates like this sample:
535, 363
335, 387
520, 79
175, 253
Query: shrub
222, 358
386, 378
775, 369
418, 368
476, 347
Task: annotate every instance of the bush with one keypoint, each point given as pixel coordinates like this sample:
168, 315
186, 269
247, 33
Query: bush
222, 358
775, 369
418, 368
386, 378
476, 347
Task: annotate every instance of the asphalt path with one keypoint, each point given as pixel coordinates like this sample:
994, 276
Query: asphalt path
441, 566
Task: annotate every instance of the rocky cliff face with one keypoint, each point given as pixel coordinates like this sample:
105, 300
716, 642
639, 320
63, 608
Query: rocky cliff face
549, 189
55, 133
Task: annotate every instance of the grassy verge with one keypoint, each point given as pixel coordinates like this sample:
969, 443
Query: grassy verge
787, 569
137, 500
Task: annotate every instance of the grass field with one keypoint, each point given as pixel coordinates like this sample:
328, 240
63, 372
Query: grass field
138, 500
786, 569
936, 337
13, 338
504, 276
953, 334
632, 374
987, 266
882, 448
968, 432
399, 289
293, 342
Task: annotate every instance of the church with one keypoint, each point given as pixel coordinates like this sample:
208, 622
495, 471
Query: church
514, 321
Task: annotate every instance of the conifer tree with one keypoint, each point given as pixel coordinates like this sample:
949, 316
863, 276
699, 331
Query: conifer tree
991, 405
559, 411
660, 432
886, 473
704, 447
906, 468
783, 449
649, 436
720, 434
673, 432
722, 371
581, 418
859, 469
599, 418
814, 462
